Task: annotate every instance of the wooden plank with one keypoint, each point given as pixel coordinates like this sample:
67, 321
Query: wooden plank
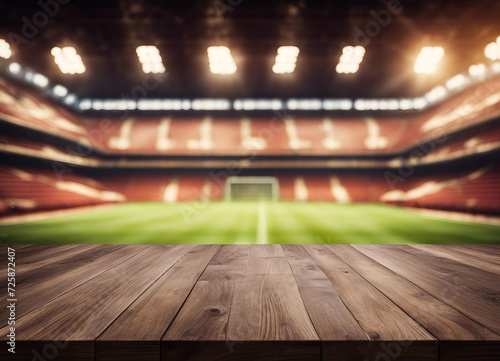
264, 302
41, 285
262, 306
441, 320
45, 254
391, 331
205, 314
447, 252
463, 275
86, 311
477, 252
487, 248
266, 250
379, 317
332, 320
342, 338
482, 310
28, 254
60, 256
271, 266
138, 330
229, 288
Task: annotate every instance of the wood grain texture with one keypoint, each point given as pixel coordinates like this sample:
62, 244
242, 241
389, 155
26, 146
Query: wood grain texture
266, 250
205, 314
443, 321
463, 275
332, 320
269, 308
27, 254
257, 302
268, 265
43, 284
86, 311
482, 310
379, 317
453, 254
487, 253
60, 254
149, 316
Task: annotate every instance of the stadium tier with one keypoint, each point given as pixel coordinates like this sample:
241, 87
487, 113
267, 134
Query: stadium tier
57, 158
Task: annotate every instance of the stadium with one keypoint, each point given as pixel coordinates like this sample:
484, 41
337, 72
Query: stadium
283, 175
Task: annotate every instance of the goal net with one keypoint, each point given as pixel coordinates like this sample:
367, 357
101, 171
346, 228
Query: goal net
252, 188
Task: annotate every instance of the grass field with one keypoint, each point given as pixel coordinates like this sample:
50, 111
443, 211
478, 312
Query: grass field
249, 222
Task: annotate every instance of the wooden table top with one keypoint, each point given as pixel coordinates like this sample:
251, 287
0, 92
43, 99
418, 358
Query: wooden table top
254, 302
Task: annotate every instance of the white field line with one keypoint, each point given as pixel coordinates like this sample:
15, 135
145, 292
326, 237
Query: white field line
262, 224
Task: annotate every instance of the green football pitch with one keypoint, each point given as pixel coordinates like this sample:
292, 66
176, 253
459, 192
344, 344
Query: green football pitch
248, 222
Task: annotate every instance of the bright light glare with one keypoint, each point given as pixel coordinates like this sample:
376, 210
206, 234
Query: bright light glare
70, 99
478, 70
350, 59
68, 60
286, 59
150, 58
60, 91
436, 94
5, 51
14, 68
457, 82
40, 80
492, 50
428, 59
220, 60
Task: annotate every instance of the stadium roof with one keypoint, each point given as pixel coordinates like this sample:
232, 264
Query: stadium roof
106, 34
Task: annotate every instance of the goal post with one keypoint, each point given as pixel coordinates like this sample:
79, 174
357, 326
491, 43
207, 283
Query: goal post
252, 188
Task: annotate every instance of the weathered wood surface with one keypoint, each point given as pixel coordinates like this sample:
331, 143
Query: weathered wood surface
255, 302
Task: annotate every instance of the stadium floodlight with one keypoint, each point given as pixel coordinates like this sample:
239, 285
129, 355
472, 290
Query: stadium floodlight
419, 103
68, 60
360, 104
478, 70
436, 94
40, 80
286, 59
70, 99
405, 104
257, 104
337, 104
492, 50
150, 58
457, 82
60, 91
428, 59
350, 59
495, 68
304, 104
163, 104
220, 60
5, 51
85, 104
211, 104
14, 68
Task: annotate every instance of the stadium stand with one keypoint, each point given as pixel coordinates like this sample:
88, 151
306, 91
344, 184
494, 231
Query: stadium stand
172, 159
